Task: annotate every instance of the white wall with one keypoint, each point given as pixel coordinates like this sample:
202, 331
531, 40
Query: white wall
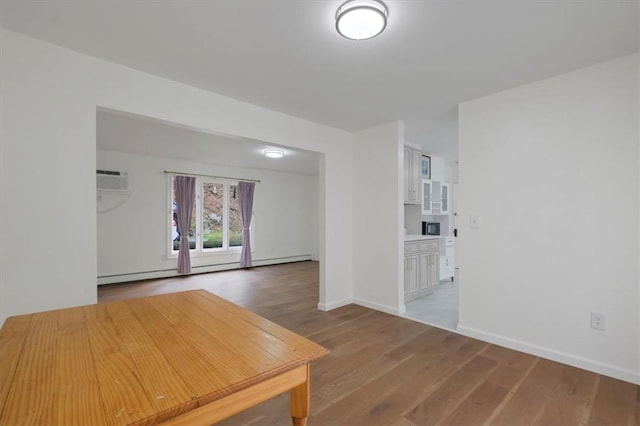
551, 169
283, 224
638, 259
378, 217
47, 170
451, 171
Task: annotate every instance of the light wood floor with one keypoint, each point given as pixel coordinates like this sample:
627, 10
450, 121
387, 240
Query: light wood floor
386, 370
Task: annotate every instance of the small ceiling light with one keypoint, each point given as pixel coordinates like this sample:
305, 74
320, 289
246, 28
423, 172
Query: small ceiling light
361, 19
274, 153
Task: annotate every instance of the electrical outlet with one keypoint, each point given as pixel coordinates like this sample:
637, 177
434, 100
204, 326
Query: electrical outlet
598, 321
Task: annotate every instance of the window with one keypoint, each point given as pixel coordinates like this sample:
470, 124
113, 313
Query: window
216, 224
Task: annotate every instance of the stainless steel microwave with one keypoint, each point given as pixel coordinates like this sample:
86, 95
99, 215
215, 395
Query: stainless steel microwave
430, 228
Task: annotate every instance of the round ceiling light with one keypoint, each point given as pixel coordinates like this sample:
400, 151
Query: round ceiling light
274, 153
361, 19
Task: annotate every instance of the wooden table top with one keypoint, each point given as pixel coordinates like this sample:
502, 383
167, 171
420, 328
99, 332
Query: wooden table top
140, 361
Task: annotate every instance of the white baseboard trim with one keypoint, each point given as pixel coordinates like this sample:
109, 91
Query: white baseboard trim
377, 306
169, 273
335, 304
362, 302
563, 357
402, 310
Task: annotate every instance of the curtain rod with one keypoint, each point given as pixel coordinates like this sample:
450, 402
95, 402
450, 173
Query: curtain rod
171, 172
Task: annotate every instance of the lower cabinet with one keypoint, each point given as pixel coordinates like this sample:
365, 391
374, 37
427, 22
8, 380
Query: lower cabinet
421, 268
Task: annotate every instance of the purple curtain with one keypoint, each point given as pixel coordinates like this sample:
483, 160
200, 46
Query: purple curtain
185, 187
245, 191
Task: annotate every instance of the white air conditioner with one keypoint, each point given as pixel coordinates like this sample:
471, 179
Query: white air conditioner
112, 180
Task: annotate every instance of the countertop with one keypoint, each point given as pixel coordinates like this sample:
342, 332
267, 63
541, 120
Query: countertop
417, 237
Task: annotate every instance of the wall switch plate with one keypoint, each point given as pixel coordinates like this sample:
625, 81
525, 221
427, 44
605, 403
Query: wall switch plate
598, 321
474, 222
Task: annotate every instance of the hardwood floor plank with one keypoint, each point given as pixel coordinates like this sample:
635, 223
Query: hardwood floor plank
432, 336
354, 353
440, 404
562, 410
614, 403
497, 353
523, 407
402, 421
505, 377
546, 373
362, 401
387, 370
537, 384
512, 368
417, 387
576, 382
478, 406
353, 380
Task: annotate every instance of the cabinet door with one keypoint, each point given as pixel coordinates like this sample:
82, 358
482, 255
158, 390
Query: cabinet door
411, 272
407, 166
424, 271
444, 194
427, 187
434, 266
411, 175
416, 161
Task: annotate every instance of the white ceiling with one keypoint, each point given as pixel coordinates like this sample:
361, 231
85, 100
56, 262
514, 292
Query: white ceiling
117, 131
286, 55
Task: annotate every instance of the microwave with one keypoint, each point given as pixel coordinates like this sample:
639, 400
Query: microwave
430, 228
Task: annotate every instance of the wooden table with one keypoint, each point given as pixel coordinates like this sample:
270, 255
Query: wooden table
182, 358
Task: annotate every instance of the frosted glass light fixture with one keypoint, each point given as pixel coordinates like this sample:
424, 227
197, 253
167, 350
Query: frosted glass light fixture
274, 153
361, 19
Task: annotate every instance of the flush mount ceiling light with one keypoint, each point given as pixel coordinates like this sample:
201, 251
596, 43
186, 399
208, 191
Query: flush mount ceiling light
274, 153
361, 19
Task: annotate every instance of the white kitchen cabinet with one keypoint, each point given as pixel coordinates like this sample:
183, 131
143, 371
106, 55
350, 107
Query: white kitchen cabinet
411, 273
412, 166
421, 268
445, 198
436, 197
427, 196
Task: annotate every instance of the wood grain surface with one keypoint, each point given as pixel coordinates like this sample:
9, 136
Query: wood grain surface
143, 360
390, 371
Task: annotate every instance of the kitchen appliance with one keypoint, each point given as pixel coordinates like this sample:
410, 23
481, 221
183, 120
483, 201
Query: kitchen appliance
430, 228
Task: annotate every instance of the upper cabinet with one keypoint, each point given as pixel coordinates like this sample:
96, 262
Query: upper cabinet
412, 159
445, 198
424, 182
436, 197
427, 196
436, 194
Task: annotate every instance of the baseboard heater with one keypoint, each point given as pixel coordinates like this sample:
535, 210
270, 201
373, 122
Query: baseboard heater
200, 269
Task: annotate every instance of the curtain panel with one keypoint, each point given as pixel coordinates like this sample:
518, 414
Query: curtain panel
245, 191
185, 190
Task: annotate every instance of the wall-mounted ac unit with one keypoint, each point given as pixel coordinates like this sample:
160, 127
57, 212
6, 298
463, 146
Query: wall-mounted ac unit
112, 180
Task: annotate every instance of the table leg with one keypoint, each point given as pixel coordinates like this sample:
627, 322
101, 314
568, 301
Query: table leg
300, 396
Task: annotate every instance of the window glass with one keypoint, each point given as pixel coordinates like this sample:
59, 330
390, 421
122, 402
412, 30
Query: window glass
212, 215
216, 223
175, 229
235, 219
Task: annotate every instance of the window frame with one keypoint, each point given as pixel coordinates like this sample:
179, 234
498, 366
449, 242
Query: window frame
199, 250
